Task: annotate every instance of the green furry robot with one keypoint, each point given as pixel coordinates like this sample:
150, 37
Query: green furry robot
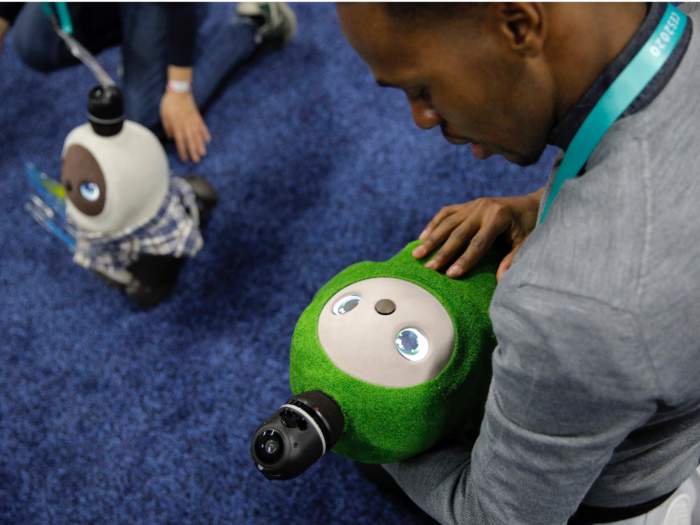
388, 359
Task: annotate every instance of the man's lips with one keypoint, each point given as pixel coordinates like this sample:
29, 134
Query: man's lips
455, 139
478, 151
477, 147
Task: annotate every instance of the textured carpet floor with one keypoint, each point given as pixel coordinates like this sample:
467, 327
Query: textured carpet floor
112, 414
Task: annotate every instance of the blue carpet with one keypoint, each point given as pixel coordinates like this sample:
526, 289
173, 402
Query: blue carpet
112, 414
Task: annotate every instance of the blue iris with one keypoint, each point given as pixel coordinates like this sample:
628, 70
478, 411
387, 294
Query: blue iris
412, 344
346, 304
89, 191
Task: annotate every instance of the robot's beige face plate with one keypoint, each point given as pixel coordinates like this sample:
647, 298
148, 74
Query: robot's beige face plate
387, 332
83, 180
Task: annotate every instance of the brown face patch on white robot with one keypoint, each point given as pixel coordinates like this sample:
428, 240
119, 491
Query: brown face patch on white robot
83, 180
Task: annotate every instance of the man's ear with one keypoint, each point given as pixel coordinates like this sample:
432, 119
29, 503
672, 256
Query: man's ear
522, 24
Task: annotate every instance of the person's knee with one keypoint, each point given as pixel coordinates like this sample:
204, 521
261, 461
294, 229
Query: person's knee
33, 52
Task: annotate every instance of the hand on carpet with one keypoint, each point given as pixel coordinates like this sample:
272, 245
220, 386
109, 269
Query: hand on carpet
183, 122
472, 228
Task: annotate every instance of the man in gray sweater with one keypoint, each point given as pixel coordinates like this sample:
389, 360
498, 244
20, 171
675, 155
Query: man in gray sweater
594, 410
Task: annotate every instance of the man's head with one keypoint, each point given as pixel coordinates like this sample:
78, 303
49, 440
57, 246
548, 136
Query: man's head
419, 13
498, 75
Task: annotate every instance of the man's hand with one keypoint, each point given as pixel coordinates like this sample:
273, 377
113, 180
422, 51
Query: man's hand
4, 26
481, 222
183, 122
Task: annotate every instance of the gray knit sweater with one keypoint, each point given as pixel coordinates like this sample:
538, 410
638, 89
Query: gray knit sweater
595, 396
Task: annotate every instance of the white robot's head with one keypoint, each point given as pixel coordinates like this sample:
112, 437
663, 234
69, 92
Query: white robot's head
113, 182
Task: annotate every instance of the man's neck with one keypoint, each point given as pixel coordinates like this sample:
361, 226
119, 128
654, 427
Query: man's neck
584, 41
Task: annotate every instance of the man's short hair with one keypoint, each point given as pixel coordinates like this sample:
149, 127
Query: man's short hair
417, 13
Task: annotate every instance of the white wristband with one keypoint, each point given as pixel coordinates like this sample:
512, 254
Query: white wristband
180, 86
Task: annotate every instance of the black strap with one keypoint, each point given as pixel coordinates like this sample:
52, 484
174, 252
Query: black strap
587, 514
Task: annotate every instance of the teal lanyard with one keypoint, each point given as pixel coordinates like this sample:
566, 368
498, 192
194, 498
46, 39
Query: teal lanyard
63, 15
618, 97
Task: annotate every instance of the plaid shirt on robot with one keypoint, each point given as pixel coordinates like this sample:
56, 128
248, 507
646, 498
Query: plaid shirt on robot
173, 231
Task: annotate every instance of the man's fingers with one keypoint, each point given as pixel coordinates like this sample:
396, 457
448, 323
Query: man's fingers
435, 239
435, 221
476, 249
472, 228
505, 265
457, 240
437, 231
507, 262
481, 241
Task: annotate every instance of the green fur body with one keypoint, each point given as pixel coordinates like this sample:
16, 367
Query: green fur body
384, 424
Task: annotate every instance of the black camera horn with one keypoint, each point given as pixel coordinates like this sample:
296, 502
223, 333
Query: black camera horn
297, 435
106, 110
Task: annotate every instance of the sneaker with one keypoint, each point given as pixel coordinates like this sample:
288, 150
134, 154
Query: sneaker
278, 22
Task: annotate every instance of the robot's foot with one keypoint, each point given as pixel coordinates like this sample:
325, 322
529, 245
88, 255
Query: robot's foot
148, 295
142, 294
109, 281
206, 195
155, 277
146, 282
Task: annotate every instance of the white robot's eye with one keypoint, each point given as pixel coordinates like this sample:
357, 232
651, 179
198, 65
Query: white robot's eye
345, 304
412, 344
89, 191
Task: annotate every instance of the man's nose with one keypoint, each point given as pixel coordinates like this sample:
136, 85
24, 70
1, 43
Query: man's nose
425, 115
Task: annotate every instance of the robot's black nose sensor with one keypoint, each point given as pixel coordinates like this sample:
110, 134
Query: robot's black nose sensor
385, 307
269, 446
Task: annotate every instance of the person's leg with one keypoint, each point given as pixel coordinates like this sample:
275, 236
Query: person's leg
232, 43
36, 43
271, 22
96, 26
144, 53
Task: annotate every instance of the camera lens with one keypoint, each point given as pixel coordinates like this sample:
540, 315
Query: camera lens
296, 435
270, 446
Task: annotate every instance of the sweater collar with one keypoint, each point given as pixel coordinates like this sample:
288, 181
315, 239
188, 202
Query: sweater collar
564, 132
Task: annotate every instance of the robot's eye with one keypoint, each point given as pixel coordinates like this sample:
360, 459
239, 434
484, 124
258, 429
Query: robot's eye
89, 191
345, 304
412, 344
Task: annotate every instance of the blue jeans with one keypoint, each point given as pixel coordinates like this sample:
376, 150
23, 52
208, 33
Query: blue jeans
142, 30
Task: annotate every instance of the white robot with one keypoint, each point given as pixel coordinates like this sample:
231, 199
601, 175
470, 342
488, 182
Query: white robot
136, 224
